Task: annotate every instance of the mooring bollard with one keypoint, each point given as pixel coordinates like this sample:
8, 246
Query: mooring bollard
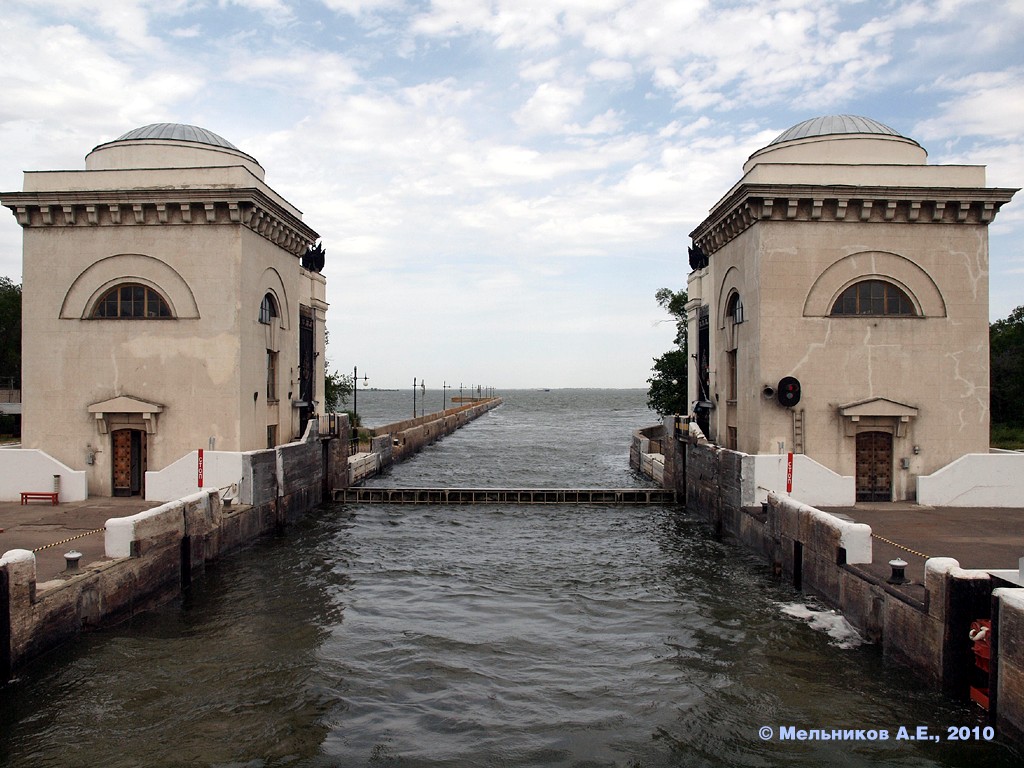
899, 571
71, 560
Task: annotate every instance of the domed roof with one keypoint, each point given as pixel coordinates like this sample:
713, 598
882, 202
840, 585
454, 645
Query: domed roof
177, 132
835, 124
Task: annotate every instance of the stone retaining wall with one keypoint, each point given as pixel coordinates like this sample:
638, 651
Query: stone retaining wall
926, 630
153, 555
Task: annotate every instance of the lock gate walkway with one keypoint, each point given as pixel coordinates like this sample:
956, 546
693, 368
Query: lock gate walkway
618, 496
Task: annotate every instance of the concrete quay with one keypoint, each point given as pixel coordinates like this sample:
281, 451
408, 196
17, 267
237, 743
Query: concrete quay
978, 538
50, 531
962, 570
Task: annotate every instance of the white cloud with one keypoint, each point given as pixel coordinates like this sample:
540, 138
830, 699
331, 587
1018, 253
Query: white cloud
549, 109
515, 178
608, 69
988, 104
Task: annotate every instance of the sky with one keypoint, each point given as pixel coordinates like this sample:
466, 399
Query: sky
503, 185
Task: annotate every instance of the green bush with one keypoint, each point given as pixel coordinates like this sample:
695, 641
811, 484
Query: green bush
1007, 436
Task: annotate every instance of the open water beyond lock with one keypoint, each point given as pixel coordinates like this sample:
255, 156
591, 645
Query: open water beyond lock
487, 636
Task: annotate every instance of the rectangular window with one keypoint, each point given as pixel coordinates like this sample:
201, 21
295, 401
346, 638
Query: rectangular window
271, 435
733, 377
271, 376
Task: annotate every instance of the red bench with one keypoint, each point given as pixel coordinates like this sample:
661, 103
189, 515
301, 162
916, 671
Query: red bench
27, 496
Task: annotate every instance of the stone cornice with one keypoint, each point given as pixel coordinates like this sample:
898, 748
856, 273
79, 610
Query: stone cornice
249, 207
750, 203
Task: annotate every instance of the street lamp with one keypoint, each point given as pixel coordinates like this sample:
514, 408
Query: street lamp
355, 391
414, 397
444, 396
423, 398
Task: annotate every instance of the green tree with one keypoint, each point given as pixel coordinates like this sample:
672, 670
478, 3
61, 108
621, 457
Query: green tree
10, 330
337, 388
1006, 340
667, 393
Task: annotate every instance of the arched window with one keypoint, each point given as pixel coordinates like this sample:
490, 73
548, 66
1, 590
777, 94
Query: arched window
268, 309
874, 297
132, 301
734, 310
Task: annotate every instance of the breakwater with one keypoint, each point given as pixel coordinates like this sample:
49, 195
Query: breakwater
397, 441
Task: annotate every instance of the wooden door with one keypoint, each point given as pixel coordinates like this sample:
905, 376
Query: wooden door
129, 461
874, 466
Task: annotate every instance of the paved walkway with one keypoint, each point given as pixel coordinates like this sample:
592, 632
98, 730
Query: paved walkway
977, 537
39, 526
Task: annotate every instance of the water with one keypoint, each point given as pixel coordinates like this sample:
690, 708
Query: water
482, 636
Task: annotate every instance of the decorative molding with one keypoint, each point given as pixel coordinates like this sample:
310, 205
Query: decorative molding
250, 208
751, 203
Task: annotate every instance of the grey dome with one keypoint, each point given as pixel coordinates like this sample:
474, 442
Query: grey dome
177, 132
829, 125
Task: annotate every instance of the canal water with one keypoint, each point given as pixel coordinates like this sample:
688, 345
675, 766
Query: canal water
485, 636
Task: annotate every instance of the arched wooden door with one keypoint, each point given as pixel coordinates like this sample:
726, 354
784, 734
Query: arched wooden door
129, 461
874, 466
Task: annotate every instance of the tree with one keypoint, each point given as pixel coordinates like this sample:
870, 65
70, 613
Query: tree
337, 388
1006, 341
667, 393
10, 330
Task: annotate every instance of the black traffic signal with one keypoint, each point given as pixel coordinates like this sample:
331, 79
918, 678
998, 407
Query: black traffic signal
789, 391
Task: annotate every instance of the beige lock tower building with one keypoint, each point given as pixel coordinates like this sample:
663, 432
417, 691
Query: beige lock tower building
170, 302
846, 269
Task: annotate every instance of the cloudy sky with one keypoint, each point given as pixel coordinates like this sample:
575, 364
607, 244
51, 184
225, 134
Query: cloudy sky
502, 185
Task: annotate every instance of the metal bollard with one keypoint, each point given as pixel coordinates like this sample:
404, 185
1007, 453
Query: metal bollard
899, 571
71, 560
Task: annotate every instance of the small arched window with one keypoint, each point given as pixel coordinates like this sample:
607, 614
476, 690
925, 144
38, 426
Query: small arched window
268, 309
132, 301
874, 297
734, 310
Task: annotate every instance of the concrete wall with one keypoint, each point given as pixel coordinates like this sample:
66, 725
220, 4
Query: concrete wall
813, 483
220, 470
1009, 661
645, 456
27, 469
412, 435
155, 553
925, 628
975, 480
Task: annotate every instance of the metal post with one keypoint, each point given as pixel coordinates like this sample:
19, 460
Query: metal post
414, 397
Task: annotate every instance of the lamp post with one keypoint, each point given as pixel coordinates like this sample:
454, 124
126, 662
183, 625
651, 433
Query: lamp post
355, 390
444, 396
423, 398
414, 397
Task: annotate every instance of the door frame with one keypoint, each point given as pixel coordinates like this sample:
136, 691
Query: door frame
137, 462
874, 493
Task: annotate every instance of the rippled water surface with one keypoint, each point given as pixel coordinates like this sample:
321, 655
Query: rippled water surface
481, 636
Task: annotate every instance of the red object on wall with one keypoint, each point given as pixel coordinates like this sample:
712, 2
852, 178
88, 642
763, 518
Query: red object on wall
200, 468
981, 636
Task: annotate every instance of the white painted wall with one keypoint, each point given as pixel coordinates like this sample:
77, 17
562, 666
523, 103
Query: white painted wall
975, 480
797, 520
813, 483
362, 465
29, 469
220, 469
120, 532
